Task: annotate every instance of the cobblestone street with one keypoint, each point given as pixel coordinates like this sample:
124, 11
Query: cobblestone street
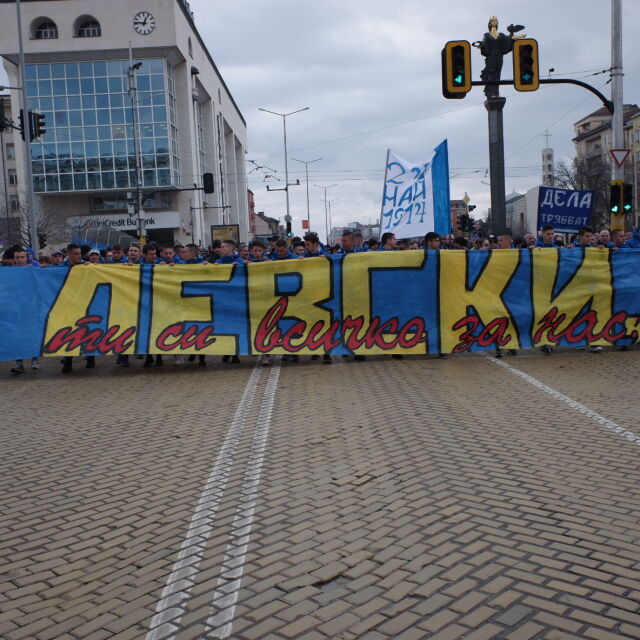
465, 498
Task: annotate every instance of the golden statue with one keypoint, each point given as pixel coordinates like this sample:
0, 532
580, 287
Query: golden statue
494, 46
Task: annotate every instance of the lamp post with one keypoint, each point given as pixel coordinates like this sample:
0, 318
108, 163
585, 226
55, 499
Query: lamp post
133, 94
28, 170
330, 222
286, 164
326, 214
306, 164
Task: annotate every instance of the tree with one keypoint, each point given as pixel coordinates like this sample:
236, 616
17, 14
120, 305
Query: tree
593, 174
52, 226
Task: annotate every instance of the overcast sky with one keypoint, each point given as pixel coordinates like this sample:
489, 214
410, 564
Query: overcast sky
370, 72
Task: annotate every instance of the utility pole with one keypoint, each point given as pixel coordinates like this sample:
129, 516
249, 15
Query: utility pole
133, 93
617, 123
326, 213
330, 222
286, 163
495, 106
306, 164
28, 171
617, 98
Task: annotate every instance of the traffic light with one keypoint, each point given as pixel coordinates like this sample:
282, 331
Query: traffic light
627, 198
207, 182
289, 232
21, 123
615, 201
42, 240
39, 124
526, 69
28, 124
456, 69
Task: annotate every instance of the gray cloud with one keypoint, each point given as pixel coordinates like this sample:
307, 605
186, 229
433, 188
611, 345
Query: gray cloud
365, 65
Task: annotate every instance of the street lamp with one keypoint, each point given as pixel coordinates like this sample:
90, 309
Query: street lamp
28, 169
326, 214
286, 164
306, 164
133, 94
330, 222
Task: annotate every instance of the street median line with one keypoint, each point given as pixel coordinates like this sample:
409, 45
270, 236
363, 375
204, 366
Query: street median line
173, 600
222, 611
609, 424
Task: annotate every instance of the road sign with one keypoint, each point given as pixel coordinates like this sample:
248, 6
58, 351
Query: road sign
619, 156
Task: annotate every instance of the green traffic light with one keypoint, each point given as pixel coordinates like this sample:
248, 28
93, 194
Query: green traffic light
459, 79
627, 207
527, 77
614, 208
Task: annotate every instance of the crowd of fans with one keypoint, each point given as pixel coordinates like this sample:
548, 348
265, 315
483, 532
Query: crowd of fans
228, 252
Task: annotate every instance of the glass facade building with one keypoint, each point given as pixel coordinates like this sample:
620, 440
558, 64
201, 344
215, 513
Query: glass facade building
89, 140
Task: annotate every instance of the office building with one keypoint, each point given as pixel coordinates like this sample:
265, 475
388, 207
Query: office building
135, 111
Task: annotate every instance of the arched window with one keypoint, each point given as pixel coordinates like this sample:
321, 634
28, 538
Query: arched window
45, 29
89, 28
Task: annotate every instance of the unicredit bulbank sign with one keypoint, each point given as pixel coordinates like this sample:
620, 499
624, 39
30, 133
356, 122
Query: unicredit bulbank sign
160, 220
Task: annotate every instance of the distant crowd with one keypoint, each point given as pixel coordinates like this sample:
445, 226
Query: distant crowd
278, 248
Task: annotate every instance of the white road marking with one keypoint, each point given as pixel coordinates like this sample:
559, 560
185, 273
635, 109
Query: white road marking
609, 424
225, 597
172, 605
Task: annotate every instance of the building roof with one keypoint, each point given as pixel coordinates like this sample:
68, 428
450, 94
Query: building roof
629, 111
267, 219
514, 196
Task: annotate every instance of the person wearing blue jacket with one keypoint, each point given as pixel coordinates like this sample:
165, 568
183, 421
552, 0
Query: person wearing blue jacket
349, 243
545, 241
228, 253
282, 251
117, 255
634, 241
169, 256
190, 255
388, 242
312, 246
585, 238
150, 254
257, 252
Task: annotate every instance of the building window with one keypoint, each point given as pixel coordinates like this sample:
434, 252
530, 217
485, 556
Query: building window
14, 203
89, 29
11, 152
45, 30
90, 143
190, 47
13, 176
119, 201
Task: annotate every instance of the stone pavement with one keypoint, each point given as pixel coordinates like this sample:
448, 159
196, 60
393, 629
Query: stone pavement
420, 498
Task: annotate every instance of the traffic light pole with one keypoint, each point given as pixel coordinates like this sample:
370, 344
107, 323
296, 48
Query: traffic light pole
494, 108
28, 171
605, 101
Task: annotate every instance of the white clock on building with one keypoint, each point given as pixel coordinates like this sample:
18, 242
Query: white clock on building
144, 23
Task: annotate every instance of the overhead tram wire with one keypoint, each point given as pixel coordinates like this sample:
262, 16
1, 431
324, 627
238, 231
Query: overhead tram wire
553, 124
405, 122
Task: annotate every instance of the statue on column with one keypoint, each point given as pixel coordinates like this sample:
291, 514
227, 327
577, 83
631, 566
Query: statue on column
494, 46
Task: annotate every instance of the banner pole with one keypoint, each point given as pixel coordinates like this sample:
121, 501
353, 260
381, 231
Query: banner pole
384, 191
